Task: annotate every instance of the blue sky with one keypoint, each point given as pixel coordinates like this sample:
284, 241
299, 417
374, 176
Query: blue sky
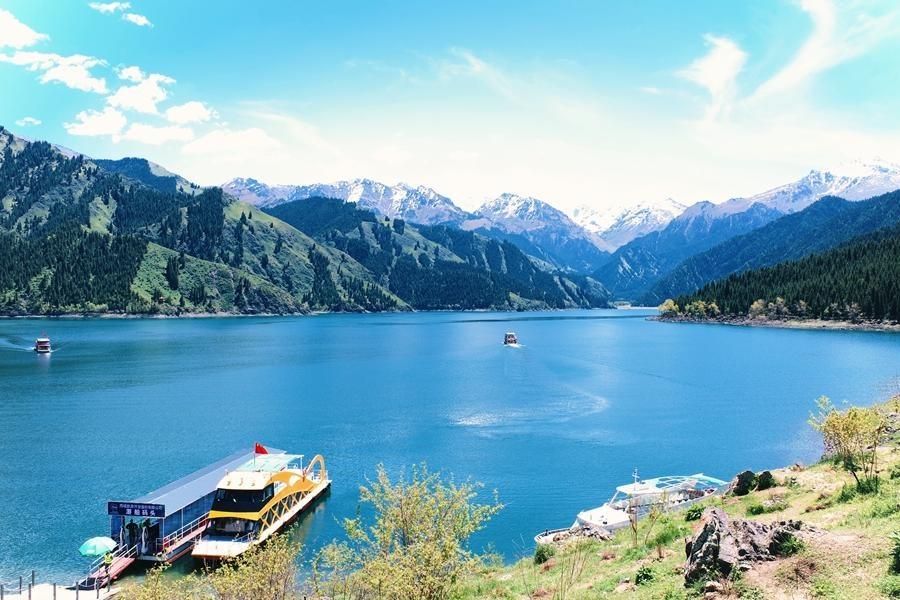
596, 103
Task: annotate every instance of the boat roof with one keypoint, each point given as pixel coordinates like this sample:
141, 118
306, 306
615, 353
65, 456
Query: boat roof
669, 482
43, 339
180, 493
256, 472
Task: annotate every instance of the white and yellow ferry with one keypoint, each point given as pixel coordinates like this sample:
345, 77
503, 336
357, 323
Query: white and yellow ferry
258, 499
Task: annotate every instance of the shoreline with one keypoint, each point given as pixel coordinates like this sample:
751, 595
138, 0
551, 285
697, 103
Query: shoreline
802, 324
312, 313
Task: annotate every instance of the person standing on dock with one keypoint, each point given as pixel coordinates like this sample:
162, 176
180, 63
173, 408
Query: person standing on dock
107, 563
132, 529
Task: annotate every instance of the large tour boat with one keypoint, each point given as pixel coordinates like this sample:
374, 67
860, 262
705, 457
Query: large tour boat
637, 499
42, 345
257, 500
510, 339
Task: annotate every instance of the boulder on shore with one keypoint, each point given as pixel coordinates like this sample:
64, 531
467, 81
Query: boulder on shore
723, 544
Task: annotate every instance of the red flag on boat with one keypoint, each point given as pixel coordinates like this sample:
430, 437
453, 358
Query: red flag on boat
260, 449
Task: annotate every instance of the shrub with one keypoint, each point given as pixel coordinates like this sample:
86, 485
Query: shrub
895, 553
643, 575
885, 507
765, 481
851, 436
890, 586
895, 472
788, 545
414, 543
746, 483
823, 588
758, 508
693, 513
542, 553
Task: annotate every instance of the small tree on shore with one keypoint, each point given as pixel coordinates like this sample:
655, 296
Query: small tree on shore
417, 545
851, 437
669, 308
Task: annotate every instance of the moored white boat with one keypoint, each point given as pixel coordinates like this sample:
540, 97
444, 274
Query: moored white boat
636, 500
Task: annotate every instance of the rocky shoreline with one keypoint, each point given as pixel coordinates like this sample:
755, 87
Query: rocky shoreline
809, 324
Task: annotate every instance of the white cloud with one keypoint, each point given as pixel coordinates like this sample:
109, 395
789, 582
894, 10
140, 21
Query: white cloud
16, 34
143, 96
652, 90
156, 136
477, 68
137, 19
73, 71
109, 121
232, 144
836, 38
133, 74
190, 112
109, 7
28, 121
717, 72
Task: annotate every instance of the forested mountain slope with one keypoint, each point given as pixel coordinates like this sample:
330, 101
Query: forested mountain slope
823, 225
859, 279
434, 266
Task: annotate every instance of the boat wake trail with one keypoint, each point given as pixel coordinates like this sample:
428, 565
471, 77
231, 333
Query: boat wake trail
15, 344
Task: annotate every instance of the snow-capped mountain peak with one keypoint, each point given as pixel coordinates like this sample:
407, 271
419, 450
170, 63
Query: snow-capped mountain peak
415, 204
854, 180
618, 225
522, 213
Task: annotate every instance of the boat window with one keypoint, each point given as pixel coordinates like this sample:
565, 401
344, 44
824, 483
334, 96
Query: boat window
242, 500
231, 527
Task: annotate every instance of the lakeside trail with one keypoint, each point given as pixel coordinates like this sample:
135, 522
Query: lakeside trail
845, 549
807, 324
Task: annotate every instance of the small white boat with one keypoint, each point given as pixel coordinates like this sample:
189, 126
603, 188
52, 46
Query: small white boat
510, 339
42, 345
637, 499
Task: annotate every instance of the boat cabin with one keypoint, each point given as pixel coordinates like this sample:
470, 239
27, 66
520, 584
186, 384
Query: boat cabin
42, 345
510, 338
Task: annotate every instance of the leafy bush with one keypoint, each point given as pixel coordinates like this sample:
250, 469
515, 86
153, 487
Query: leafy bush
895, 472
885, 507
758, 508
895, 552
414, 544
746, 483
823, 588
693, 513
890, 586
765, 481
543, 553
788, 545
643, 575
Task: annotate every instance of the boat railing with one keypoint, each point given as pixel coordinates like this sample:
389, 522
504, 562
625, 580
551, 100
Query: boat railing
184, 531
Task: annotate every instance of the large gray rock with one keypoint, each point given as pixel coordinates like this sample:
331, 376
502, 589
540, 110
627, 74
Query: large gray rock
723, 544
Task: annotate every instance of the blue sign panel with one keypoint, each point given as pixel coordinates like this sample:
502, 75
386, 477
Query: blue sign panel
135, 509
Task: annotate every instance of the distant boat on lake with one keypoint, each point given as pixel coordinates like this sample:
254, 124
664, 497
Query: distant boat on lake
510, 339
42, 345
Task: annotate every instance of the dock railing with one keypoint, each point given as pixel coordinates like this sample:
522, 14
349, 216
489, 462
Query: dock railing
94, 569
171, 540
17, 586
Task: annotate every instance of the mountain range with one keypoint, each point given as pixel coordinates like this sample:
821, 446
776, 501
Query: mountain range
361, 244
78, 235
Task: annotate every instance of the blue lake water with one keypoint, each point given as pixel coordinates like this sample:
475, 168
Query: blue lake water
125, 406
